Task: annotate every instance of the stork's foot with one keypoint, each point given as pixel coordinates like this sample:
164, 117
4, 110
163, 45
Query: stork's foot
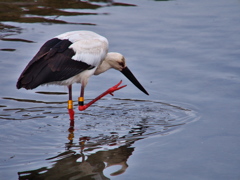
109, 91
115, 88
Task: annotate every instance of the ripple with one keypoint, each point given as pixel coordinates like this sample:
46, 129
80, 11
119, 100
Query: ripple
122, 120
112, 119
38, 132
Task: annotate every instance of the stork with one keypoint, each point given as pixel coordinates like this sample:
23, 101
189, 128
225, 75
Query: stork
73, 57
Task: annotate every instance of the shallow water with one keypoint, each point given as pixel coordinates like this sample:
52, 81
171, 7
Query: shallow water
186, 55
42, 128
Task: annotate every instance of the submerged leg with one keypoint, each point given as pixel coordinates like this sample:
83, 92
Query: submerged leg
70, 103
81, 105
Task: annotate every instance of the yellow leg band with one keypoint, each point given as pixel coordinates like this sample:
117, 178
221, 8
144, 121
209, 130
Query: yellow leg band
81, 101
70, 136
70, 104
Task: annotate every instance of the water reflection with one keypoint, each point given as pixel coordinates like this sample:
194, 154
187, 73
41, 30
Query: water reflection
95, 141
72, 165
8, 30
46, 12
75, 164
34, 11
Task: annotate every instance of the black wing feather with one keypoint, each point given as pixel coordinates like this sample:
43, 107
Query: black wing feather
52, 63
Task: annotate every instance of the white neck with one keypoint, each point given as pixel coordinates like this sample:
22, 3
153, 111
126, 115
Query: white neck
104, 66
112, 60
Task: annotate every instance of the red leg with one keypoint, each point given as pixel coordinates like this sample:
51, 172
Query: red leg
70, 104
82, 107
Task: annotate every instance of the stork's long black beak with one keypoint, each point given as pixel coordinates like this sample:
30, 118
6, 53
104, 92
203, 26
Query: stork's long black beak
132, 78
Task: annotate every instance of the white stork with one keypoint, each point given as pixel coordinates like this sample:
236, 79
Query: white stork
73, 57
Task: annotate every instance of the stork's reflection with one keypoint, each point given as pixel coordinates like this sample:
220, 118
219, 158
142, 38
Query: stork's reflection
85, 159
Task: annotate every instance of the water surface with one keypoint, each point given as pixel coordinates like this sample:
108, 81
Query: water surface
186, 55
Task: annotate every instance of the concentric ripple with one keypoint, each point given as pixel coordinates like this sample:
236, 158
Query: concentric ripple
39, 132
123, 120
110, 120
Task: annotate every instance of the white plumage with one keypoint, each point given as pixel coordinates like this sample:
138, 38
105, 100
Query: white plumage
89, 47
73, 57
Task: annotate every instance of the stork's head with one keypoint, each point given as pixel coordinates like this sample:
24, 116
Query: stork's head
117, 61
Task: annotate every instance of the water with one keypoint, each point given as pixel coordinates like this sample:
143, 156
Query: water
186, 55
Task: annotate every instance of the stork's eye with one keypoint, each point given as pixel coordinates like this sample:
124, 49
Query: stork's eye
121, 64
